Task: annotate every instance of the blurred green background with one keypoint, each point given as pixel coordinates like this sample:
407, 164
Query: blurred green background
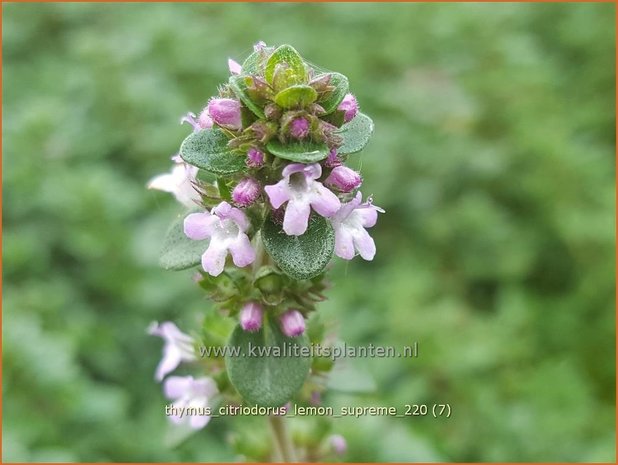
493, 156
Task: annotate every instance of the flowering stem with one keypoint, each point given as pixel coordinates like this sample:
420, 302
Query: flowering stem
282, 440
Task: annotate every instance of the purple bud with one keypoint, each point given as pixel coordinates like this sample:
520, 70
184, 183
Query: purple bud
246, 192
299, 128
261, 45
225, 112
251, 317
255, 158
343, 179
292, 323
349, 106
338, 443
316, 398
332, 160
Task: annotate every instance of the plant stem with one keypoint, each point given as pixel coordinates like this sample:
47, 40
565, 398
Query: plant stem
282, 440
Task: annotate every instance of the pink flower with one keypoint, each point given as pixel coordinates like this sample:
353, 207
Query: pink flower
203, 122
225, 112
179, 182
292, 323
343, 179
226, 227
302, 192
251, 316
191, 398
349, 106
234, 67
179, 347
349, 224
246, 192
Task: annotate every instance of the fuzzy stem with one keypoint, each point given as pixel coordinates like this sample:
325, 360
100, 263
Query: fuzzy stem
282, 440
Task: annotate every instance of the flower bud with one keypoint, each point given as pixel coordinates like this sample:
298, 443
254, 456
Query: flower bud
332, 160
338, 444
255, 158
349, 106
225, 112
251, 316
343, 179
292, 323
272, 111
299, 128
246, 192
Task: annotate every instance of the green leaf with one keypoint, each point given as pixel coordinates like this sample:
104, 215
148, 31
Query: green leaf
298, 96
355, 134
271, 378
207, 149
301, 257
333, 98
179, 252
252, 64
302, 152
295, 71
239, 85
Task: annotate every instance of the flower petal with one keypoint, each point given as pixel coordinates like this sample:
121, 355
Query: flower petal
172, 356
364, 244
296, 217
176, 387
213, 260
368, 216
242, 252
344, 243
199, 226
278, 193
164, 182
323, 201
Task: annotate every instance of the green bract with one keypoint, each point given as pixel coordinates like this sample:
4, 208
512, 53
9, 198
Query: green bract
301, 152
284, 68
297, 96
355, 134
266, 370
239, 85
333, 98
301, 257
179, 252
207, 149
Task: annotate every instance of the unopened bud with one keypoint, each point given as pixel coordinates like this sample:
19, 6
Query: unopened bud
246, 192
292, 323
251, 316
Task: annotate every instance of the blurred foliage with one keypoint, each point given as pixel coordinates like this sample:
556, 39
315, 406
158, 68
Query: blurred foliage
493, 156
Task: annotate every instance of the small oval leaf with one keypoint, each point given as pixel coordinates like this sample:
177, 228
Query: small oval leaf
355, 134
239, 85
179, 252
207, 149
333, 98
286, 55
266, 369
302, 152
301, 257
298, 96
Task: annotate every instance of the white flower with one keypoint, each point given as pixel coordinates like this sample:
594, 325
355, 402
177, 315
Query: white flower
178, 182
302, 192
191, 398
226, 227
349, 224
179, 347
